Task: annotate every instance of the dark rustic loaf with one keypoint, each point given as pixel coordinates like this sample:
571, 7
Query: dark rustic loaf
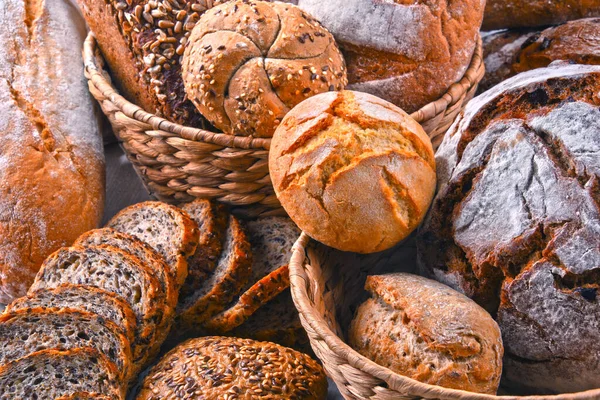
502, 14
516, 222
26, 331
220, 367
508, 53
422, 329
406, 52
90, 299
224, 283
51, 156
51, 374
247, 63
145, 254
115, 271
211, 218
166, 228
271, 240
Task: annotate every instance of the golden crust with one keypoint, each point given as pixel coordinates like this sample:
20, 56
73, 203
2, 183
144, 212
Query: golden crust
353, 171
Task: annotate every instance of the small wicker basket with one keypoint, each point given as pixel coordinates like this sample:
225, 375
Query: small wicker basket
327, 286
179, 163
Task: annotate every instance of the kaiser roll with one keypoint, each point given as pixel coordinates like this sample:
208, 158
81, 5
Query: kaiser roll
353, 171
516, 222
406, 52
248, 63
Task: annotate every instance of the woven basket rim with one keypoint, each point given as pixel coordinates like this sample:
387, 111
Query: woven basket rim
298, 283
98, 76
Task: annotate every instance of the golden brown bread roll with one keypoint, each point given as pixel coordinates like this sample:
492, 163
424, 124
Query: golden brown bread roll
248, 63
425, 330
51, 156
353, 171
502, 14
406, 52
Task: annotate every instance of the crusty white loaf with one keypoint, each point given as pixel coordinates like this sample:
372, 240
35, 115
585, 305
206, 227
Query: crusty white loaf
51, 160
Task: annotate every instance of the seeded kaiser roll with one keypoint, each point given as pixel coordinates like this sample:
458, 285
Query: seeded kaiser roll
352, 170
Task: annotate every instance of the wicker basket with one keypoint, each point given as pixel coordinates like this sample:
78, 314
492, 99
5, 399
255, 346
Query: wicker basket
327, 286
179, 163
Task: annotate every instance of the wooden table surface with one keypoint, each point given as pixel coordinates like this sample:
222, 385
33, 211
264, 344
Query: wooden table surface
123, 188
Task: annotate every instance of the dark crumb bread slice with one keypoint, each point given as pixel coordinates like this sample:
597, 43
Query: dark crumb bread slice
271, 240
115, 271
216, 367
166, 228
230, 276
26, 331
138, 248
50, 374
85, 298
211, 218
277, 322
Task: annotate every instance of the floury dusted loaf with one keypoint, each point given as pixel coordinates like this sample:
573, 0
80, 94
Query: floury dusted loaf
406, 52
51, 158
516, 222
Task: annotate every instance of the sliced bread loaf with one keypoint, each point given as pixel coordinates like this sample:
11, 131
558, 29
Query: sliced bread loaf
115, 271
211, 218
138, 248
26, 331
166, 228
50, 374
84, 298
271, 240
231, 274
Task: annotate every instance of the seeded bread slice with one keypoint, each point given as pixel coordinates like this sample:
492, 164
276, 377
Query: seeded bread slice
26, 331
271, 240
211, 218
138, 248
84, 396
230, 276
48, 374
84, 298
115, 271
166, 228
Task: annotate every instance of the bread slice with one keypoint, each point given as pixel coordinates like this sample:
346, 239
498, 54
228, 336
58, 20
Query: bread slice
271, 240
84, 298
231, 274
166, 228
115, 271
84, 396
211, 218
26, 331
50, 374
138, 248
276, 322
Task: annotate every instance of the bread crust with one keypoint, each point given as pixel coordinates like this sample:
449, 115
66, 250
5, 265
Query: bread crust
248, 63
293, 374
353, 171
52, 160
502, 14
408, 53
515, 224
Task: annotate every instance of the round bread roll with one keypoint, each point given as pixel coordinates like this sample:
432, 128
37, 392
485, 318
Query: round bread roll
248, 63
408, 53
353, 171
215, 367
516, 222
425, 330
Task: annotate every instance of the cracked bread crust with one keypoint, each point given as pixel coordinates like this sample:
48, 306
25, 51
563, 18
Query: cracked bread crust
353, 171
51, 155
248, 63
405, 52
422, 329
516, 222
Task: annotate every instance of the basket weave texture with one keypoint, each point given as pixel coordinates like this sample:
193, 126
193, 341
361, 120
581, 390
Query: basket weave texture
327, 286
179, 163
